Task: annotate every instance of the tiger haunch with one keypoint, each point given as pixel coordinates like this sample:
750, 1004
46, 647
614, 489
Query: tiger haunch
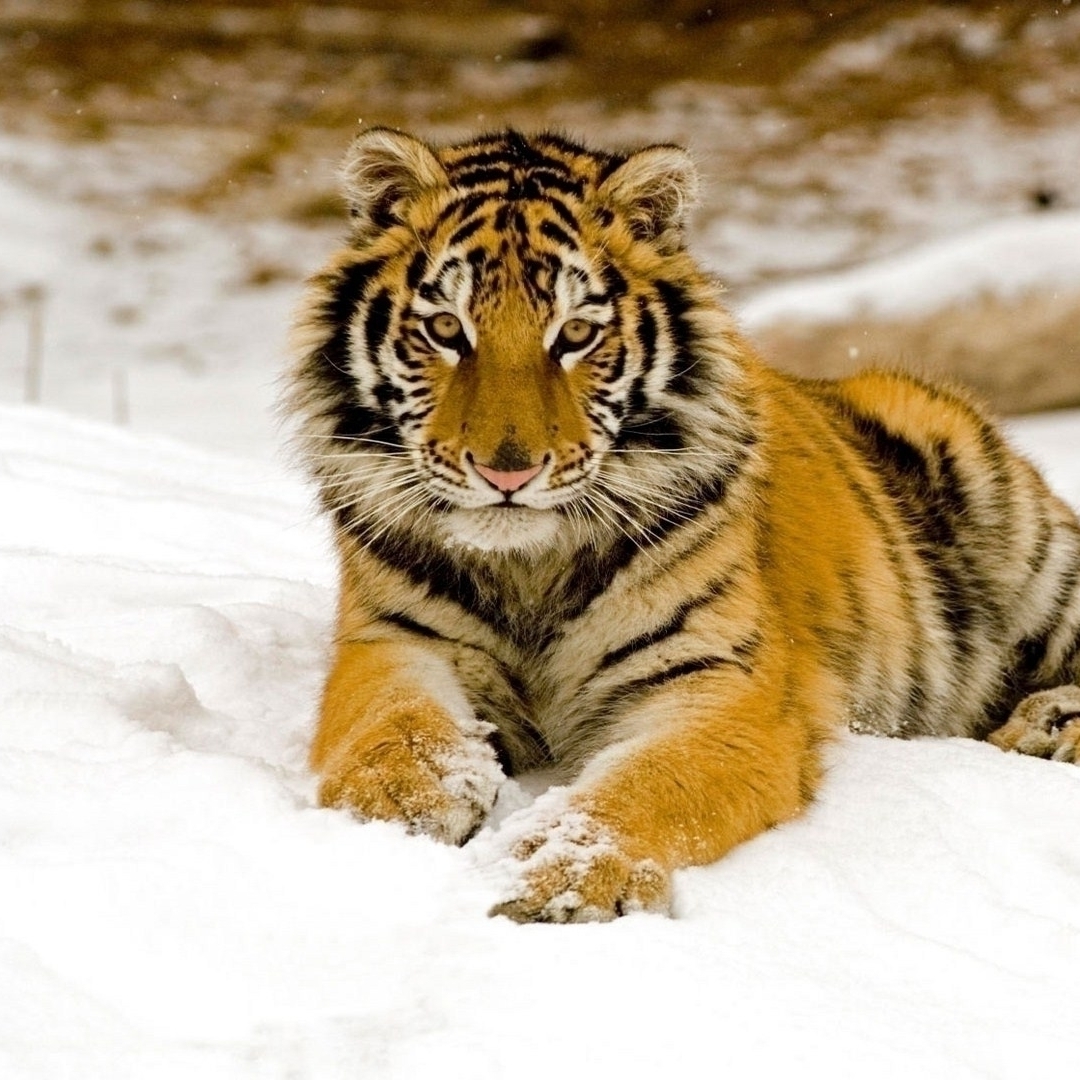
582, 525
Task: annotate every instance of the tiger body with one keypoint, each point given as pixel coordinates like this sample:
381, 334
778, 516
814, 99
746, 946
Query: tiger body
582, 525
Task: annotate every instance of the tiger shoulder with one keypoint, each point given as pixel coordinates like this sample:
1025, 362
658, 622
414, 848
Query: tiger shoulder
582, 526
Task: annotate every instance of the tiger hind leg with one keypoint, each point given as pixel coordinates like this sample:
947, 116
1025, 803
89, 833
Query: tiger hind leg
1045, 724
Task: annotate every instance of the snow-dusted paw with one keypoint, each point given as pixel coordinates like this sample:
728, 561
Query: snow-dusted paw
422, 771
1046, 724
556, 864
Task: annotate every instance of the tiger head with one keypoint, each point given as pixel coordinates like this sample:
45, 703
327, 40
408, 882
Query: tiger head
514, 347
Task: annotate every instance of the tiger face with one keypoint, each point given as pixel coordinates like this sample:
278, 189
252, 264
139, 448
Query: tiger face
514, 343
504, 350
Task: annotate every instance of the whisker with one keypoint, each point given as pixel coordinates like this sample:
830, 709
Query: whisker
682, 451
417, 502
598, 497
637, 493
314, 437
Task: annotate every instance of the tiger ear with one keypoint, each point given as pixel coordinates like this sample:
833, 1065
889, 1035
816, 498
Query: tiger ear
384, 170
654, 190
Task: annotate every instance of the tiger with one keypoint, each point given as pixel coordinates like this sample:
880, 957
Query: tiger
584, 530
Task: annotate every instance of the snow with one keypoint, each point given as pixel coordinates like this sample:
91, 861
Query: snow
1005, 258
159, 298
172, 902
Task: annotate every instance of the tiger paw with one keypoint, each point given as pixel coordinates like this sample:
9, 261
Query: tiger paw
417, 767
558, 865
1046, 724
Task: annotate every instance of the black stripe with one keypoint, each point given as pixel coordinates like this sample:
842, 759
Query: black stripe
933, 505
646, 334
1070, 659
481, 176
536, 184
340, 307
404, 357
670, 674
673, 626
618, 369
352, 420
558, 234
551, 140
643, 641
1031, 652
1041, 552
502, 217
483, 159
952, 497
614, 282
654, 431
467, 205
609, 166
417, 266
403, 622
377, 322
476, 591
744, 651
385, 392
893, 451
682, 379
415, 415
348, 287
564, 212
463, 233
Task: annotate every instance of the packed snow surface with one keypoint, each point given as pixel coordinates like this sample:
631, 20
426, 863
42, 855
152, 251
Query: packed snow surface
173, 904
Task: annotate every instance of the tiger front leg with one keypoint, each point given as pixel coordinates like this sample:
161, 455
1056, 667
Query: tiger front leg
396, 741
669, 793
1045, 724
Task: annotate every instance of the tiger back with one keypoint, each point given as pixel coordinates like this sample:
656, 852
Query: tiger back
582, 526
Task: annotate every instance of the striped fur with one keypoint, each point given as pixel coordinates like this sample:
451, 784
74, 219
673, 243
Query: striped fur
582, 526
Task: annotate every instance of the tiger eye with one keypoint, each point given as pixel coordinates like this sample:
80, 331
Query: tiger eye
577, 331
444, 327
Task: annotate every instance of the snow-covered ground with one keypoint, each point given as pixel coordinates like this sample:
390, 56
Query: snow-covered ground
172, 905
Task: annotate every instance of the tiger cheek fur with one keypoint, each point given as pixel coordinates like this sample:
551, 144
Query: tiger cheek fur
582, 526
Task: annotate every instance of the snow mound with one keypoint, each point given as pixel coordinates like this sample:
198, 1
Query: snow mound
1004, 258
173, 904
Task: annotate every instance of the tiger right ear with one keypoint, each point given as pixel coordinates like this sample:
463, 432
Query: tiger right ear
383, 171
654, 188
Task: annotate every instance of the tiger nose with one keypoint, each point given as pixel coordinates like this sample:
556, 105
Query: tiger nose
507, 482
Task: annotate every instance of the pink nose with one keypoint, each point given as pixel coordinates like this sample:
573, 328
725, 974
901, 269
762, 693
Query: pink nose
508, 482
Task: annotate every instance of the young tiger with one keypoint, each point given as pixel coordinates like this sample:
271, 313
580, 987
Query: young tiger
581, 525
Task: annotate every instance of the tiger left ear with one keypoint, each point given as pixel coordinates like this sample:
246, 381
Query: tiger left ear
384, 171
654, 189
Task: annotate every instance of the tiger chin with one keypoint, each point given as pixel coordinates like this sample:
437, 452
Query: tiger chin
582, 526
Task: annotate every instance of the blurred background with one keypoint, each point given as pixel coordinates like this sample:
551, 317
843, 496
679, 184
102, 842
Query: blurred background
884, 182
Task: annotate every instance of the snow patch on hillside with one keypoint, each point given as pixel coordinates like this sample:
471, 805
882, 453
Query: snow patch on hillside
1005, 259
